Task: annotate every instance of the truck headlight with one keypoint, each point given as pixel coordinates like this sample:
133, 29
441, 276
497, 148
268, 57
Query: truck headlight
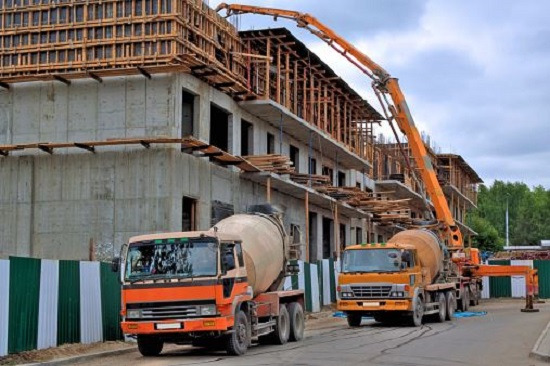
346, 294
206, 310
133, 314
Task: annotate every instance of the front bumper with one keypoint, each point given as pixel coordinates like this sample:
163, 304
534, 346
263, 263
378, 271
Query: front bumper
374, 305
187, 325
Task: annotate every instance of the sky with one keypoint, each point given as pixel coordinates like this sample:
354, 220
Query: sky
476, 74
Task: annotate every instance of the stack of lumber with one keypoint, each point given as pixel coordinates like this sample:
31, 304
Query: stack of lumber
314, 179
273, 163
339, 193
402, 217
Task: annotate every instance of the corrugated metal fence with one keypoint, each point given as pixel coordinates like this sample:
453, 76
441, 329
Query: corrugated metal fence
514, 286
318, 280
46, 303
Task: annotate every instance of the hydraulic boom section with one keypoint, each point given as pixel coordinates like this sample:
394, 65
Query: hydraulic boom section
384, 85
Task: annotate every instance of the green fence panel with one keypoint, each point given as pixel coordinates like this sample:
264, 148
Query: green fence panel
24, 297
332, 280
110, 303
294, 278
307, 280
500, 286
68, 311
543, 267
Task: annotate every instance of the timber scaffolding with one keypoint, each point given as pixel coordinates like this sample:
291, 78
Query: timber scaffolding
292, 76
454, 171
74, 39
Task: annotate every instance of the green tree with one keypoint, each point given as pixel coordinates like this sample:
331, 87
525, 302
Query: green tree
529, 213
487, 238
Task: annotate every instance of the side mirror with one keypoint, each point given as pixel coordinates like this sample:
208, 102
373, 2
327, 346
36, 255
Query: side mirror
115, 264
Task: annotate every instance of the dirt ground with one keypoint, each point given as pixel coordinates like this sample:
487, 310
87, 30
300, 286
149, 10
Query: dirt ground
64, 351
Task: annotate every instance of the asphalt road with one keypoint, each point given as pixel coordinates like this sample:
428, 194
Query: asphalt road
504, 336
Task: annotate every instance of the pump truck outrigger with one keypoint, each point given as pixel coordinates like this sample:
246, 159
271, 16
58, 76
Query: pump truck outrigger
418, 272
220, 288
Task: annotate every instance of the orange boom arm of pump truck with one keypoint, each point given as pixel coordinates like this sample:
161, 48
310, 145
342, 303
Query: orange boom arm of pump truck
383, 84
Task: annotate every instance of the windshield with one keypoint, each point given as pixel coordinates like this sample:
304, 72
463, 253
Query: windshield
376, 260
172, 258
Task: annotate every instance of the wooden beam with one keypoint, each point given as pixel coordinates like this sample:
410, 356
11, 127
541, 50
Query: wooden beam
144, 72
95, 77
45, 148
268, 188
224, 84
62, 79
306, 204
85, 147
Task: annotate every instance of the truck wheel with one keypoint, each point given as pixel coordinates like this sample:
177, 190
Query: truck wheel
451, 305
442, 303
149, 347
354, 319
464, 303
418, 312
297, 325
237, 341
282, 327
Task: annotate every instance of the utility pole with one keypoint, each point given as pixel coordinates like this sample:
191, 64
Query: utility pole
507, 222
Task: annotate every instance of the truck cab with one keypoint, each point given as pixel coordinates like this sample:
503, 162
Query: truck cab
176, 286
377, 279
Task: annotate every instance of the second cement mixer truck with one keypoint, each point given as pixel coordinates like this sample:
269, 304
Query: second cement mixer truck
220, 288
404, 279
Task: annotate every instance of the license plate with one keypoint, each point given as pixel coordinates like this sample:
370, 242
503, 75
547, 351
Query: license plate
164, 326
371, 303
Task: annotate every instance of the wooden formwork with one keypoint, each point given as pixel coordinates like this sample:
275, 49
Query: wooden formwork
453, 170
281, 68
79, 38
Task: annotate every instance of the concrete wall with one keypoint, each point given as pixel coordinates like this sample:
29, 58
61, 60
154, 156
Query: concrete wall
52, 206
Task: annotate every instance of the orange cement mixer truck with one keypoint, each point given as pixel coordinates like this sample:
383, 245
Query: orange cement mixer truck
221, 288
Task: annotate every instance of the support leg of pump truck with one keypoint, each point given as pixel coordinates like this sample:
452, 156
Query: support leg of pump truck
530, 274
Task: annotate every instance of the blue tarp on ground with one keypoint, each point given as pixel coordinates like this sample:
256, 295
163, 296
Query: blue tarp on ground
469, 314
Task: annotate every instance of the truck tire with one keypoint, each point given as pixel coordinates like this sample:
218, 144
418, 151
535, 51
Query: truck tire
354, 319
149, 346
464, 303
237, 341
442, 304
297, 323
281, 332
451, 304
418, 312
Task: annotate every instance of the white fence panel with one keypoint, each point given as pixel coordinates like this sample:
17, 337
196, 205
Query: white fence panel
326, 281
47, 306
91, 325
4, 305
301, 276
485, 294
518, 282
314, 276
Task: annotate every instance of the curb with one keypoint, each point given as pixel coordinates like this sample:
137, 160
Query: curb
87, 357
535, 353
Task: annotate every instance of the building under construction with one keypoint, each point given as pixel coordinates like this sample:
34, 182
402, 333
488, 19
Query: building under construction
120, 118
